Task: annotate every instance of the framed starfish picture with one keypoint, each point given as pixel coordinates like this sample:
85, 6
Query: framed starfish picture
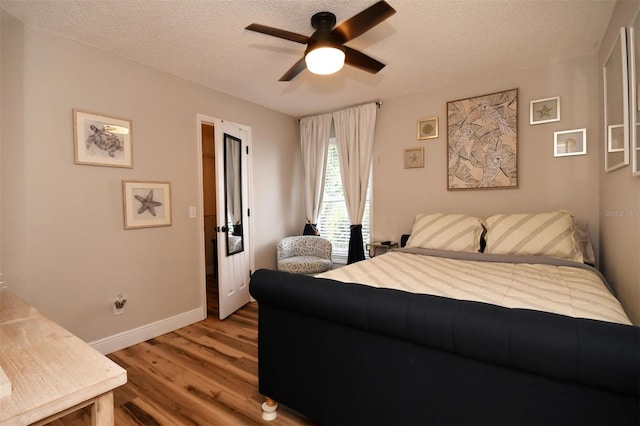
544, 111
413, 158
146, 204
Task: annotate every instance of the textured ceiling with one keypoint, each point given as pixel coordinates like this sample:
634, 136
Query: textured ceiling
426, 44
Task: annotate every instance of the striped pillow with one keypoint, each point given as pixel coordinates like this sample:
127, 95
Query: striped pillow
541, 234
453, 232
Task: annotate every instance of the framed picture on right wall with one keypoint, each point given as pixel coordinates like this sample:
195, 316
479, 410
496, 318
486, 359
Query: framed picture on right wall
570, 142
615, 138
544, 110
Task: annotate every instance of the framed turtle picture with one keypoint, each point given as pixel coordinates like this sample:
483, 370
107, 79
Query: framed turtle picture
146, 204
101, 140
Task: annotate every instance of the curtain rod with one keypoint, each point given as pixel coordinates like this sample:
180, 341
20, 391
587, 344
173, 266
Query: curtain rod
378, 104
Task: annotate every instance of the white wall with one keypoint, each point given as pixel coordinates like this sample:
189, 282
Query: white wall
545, 182
575, 183
619, 192
64, 248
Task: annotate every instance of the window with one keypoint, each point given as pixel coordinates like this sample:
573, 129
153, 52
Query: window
333, 222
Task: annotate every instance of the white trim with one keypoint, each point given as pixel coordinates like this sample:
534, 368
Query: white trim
137, 335
202, 263
634, 115
622, 37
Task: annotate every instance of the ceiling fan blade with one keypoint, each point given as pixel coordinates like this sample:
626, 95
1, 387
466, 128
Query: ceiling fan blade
296, 69
276, 32
359, 60
363, 21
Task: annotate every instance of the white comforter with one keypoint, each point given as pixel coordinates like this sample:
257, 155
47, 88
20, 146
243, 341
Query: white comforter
565, 290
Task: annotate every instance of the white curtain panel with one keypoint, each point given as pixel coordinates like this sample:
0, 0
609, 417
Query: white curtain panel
315, 132
355, 128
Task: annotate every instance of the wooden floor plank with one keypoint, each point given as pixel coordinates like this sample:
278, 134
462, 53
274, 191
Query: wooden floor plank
203, 374
202, 360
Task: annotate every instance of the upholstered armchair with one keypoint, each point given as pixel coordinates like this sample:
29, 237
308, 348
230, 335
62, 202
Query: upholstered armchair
304, 254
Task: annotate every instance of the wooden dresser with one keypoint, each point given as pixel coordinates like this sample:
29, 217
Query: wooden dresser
51, 371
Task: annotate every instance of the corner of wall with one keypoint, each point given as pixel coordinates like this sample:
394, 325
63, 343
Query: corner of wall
619, 197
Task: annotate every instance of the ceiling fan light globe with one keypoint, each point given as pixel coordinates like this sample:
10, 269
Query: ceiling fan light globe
324, 60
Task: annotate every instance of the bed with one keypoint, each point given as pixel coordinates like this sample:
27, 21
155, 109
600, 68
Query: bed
494, 321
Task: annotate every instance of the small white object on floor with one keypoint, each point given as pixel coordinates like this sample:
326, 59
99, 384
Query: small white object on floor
269, 411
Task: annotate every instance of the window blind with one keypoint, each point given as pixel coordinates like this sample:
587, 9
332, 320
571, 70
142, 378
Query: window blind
333, 222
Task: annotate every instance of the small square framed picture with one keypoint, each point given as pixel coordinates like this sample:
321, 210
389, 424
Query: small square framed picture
146, 204
428, 128
570, 142
413, 158
544, 110
615, 138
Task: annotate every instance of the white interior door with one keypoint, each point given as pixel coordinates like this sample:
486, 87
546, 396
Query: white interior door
234, 228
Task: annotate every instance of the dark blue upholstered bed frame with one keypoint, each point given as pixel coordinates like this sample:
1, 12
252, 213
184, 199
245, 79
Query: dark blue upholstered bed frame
353, 354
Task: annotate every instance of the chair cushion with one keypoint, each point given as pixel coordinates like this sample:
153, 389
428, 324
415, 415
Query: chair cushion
304, 265
303, 245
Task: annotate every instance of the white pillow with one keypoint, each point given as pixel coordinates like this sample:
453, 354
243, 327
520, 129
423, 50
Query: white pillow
583, 241
541, 234
453, 232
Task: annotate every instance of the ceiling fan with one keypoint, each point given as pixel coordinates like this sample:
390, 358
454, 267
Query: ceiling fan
326, 52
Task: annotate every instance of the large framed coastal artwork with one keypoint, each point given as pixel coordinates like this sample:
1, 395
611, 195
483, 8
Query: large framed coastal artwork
482, 142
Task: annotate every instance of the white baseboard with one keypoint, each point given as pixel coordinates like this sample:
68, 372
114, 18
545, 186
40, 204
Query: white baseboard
137, 335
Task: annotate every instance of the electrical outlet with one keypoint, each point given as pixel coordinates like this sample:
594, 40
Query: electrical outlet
192, 212
118, 305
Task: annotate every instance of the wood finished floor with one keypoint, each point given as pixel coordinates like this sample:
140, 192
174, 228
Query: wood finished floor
203, 374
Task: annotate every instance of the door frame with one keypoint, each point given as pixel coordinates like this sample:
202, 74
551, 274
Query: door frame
200, 119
